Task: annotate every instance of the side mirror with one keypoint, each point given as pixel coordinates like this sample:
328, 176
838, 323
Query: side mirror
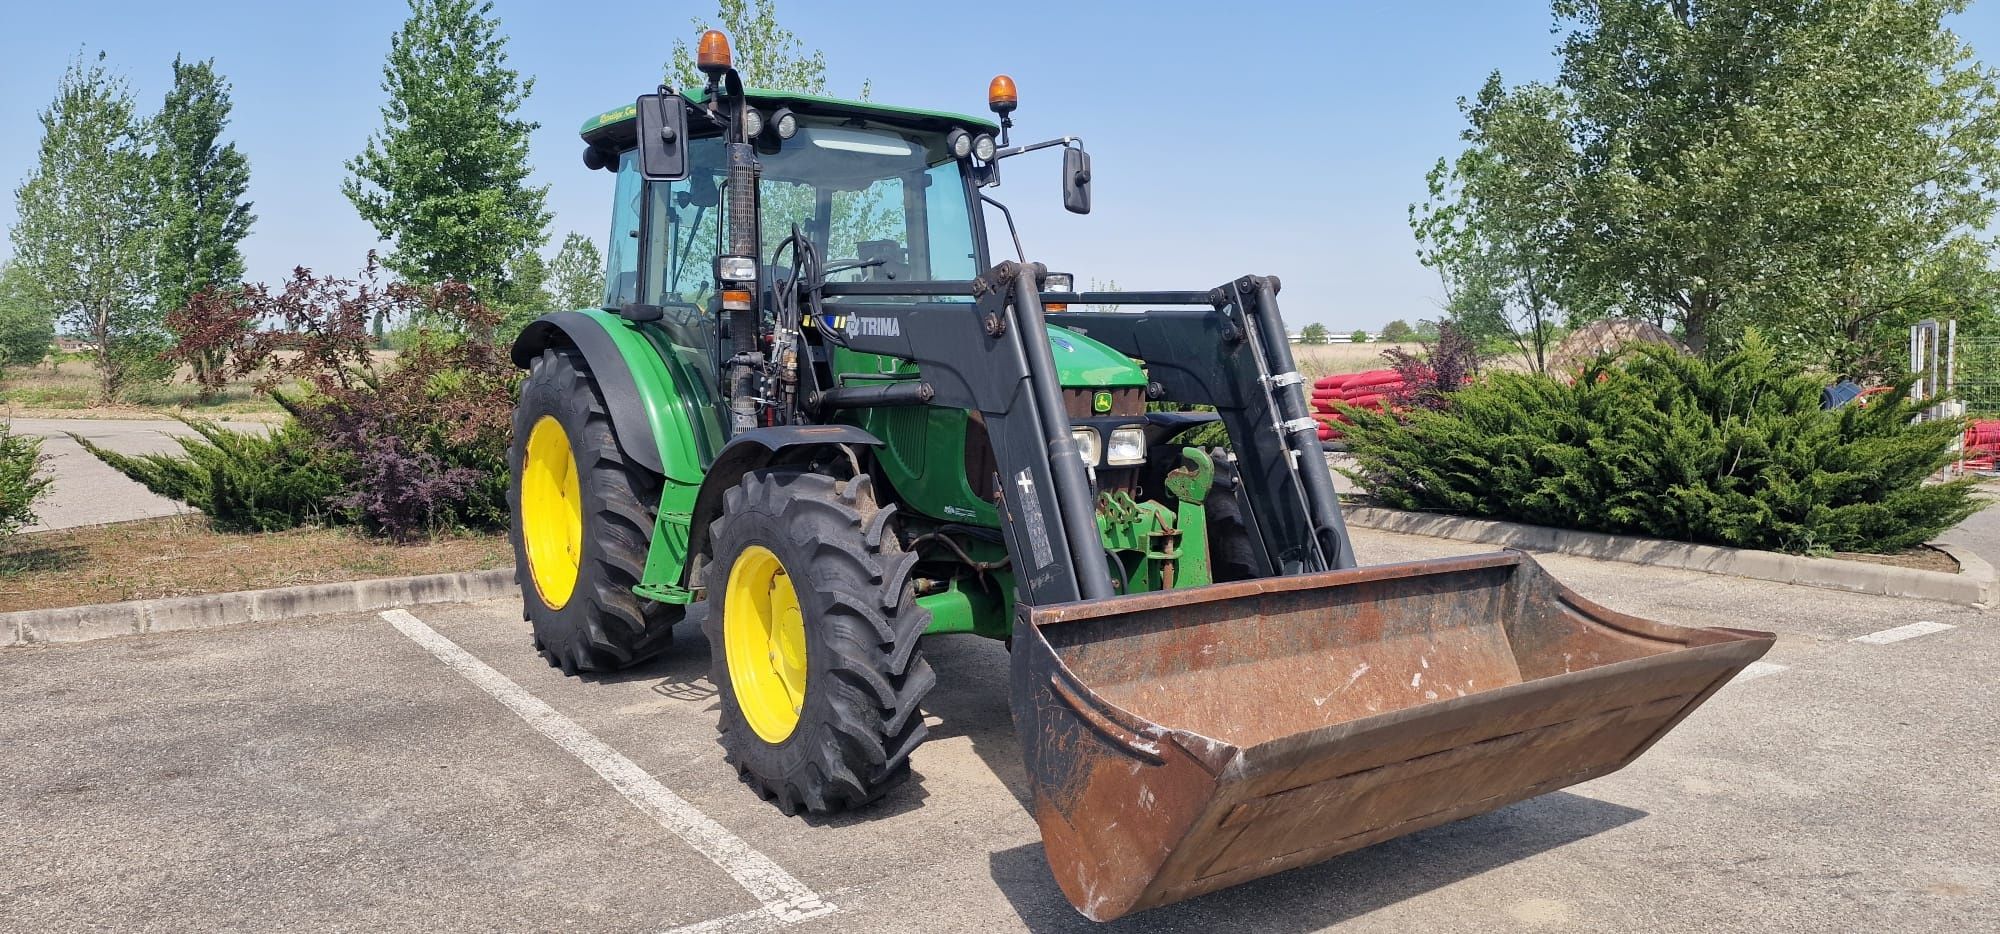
663, 137
1076, 180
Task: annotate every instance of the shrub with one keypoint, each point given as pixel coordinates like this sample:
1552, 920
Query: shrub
244, 482
1735, 452
423, 440
21, 479
1429, 380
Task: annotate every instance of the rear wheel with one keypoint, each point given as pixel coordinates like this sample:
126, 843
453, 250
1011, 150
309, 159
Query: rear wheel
583, 518
813, 631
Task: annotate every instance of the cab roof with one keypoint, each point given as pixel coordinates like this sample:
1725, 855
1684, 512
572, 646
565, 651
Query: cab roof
618, 129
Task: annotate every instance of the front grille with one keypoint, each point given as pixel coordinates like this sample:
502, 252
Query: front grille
1130, 400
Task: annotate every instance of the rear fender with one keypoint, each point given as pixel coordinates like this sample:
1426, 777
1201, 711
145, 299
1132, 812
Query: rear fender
639, 392
754, 450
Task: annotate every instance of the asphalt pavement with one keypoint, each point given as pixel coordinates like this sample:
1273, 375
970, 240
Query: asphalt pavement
86, 490
431, 773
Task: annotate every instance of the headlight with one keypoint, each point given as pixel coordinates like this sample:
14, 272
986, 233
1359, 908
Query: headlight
786, 122
1128, 447
959, 142
1087, 445
736, 269
753, 123
984, 148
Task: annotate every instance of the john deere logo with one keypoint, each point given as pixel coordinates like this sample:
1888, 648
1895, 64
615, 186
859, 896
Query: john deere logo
1101, 403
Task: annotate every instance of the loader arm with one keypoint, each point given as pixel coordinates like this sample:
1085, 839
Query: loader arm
974, 357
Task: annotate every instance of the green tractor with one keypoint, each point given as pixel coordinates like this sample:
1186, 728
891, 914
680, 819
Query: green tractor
817, 417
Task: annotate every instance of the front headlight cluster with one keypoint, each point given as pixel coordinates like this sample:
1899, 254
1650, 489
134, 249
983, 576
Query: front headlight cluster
1126, 448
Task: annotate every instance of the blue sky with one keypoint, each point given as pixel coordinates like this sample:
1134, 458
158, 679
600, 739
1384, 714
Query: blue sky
1284, 138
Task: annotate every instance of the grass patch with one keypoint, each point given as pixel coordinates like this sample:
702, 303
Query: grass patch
69, 390
179, 556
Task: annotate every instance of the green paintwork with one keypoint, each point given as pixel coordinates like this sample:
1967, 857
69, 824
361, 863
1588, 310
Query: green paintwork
1082, 362
1190, 484
767, 97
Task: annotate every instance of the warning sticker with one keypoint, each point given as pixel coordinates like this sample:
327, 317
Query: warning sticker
1031, 520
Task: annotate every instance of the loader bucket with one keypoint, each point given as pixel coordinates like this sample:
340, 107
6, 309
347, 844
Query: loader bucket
1185, 741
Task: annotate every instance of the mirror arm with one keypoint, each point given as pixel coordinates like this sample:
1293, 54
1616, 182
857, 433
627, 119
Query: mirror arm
1031, 147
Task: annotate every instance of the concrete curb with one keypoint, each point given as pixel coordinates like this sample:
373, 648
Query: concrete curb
1974, 585
168, 614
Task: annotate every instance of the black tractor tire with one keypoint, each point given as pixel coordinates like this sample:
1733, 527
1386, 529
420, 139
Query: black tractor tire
1229, 550
602, 625
859, 718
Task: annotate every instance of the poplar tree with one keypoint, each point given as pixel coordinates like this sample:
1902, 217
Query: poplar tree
200, 183
445, 180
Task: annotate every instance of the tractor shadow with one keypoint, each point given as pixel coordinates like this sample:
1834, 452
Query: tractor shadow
682, 674
972, 702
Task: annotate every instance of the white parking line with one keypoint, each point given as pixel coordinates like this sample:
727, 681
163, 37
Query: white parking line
786, 900
1900, 633
1756, 670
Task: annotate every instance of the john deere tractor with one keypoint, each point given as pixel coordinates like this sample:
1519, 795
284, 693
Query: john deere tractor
823, 417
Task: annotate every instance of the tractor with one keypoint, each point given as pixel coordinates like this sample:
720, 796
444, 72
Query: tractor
817, 417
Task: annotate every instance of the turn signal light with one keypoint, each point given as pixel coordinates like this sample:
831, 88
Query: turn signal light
1001, 96
711, 54
736, 299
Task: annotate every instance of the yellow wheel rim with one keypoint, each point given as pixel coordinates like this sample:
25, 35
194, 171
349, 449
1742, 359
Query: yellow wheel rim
551, 512
764, 638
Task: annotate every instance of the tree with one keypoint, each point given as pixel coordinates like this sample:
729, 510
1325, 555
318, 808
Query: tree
1427, 330
84, 238
445, 178
576, 275
1817, 171
1495, 219
1314, 333
200, 185
1358, 337
27, 327
1397, 331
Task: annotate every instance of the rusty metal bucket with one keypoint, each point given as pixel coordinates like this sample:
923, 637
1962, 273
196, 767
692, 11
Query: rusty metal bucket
1186, 741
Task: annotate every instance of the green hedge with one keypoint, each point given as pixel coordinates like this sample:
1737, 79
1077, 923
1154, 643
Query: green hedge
1736, 452
22, 481
244, 482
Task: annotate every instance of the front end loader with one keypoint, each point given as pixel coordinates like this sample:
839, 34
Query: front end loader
816, 416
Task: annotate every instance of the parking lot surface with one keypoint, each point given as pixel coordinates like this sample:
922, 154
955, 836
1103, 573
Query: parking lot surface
430, 772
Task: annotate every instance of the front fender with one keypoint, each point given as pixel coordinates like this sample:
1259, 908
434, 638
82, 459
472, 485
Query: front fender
755, 449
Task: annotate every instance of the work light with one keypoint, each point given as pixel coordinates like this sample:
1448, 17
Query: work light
983, 147
786, 122
753, 122
735, 268
959, 143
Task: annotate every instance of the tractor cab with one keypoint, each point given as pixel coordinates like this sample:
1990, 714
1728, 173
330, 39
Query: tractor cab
877, 191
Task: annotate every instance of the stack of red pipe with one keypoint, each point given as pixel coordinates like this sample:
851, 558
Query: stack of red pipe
1370, 390
1982, 443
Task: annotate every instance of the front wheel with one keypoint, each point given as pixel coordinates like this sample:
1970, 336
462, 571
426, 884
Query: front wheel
813, 628
582, 524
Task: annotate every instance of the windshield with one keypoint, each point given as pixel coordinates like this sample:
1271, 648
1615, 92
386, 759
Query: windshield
889, 200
